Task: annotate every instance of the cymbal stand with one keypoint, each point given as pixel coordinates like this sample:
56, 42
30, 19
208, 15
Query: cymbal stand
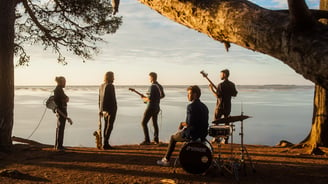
230, 165
219, 162
243, 149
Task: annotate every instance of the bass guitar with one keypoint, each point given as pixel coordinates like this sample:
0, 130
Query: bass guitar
205, 75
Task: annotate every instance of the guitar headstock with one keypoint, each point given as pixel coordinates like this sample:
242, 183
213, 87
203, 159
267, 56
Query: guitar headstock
203, 73
132, 89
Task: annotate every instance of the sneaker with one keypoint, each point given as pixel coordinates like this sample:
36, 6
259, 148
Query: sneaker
163, 162
145, 143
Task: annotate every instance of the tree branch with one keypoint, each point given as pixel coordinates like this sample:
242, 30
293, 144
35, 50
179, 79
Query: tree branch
300, 15
250, 26
317, 14
35, 20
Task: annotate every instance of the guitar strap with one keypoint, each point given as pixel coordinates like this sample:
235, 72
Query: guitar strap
160, 91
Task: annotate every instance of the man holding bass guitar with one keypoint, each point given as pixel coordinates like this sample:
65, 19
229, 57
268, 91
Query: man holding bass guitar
223, 92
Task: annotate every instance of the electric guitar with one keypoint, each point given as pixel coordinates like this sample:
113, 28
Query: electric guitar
205, 75
140, 94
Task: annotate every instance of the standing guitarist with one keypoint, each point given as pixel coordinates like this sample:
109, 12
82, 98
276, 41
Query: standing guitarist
156, 92
61, 100
223, 92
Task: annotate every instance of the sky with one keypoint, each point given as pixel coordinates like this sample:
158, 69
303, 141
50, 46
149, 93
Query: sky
149, 42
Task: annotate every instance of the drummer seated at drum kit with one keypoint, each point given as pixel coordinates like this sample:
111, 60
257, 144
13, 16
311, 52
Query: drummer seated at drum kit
196, 125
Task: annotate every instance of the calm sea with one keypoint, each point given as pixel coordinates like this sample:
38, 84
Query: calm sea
278, 112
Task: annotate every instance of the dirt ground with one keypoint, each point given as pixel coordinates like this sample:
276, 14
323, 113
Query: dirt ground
137, 164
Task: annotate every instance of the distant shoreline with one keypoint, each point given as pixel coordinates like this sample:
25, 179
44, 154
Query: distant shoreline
266, 86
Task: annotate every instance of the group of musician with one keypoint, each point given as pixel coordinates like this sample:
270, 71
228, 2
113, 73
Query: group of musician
194, 128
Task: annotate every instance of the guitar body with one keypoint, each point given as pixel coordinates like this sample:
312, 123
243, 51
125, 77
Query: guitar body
98, 135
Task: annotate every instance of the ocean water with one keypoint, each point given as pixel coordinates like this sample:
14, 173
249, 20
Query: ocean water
278, 112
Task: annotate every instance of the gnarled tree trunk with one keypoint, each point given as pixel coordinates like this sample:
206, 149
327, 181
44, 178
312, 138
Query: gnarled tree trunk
318, 135
7, 19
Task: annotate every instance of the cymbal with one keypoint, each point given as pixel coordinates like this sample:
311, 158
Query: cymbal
231, 119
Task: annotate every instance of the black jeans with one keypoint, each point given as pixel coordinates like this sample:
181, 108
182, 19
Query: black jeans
109, 124
173, 141
60, 130
151, 112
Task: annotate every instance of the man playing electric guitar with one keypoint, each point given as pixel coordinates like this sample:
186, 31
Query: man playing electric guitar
156, 93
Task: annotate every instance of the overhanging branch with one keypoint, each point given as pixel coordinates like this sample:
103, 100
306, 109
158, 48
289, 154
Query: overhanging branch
250, 26
300, 15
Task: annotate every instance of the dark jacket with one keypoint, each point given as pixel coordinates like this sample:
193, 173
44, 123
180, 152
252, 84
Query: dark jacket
107, 98
197, 121
60, 99
156, 92
225, 91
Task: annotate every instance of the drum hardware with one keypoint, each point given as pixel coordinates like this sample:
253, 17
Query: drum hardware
196, 157
243, 149
233, 165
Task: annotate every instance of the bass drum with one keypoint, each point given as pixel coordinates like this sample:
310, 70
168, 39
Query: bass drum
196, 157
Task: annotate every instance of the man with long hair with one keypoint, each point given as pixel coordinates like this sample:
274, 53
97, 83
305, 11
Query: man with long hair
107, 106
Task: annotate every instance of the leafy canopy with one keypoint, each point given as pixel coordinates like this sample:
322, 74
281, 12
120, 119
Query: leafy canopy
74, 24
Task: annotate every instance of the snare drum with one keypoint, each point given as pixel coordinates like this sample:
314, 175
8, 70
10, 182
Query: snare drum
196, 157
219, 130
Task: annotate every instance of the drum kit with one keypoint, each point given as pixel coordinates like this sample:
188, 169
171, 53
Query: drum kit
197, 157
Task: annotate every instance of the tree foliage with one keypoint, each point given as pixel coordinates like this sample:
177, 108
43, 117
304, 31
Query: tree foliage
72, 24
75, 25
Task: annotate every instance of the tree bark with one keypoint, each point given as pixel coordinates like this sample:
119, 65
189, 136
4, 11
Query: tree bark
7, 19
275, 33
318, 135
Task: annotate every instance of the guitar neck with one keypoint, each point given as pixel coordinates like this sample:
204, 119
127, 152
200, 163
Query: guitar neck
211, 83
139, 94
